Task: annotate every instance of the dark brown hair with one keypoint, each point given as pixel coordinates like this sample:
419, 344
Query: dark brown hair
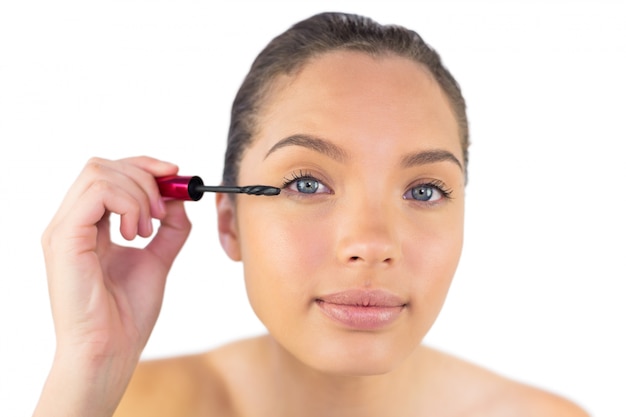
322, 33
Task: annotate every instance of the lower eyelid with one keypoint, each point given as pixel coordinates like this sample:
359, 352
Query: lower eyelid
305, 174
439, 188
322, 187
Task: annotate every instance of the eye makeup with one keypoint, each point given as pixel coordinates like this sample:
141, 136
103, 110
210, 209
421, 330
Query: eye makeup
192, 188
429, 191
305, 183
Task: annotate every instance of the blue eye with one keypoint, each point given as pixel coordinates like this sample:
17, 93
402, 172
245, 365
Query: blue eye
305, 184
426, 193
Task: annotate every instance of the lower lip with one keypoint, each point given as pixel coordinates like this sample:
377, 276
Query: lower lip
360, 317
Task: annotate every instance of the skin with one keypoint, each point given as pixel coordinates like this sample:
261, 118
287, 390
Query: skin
370, 130
105, 298
360, 233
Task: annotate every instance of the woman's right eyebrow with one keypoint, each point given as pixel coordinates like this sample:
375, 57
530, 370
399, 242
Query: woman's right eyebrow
315, 143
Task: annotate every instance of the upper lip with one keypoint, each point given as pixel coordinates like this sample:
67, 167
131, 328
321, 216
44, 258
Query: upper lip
363, 298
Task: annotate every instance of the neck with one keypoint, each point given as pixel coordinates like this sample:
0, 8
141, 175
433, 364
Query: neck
305, 391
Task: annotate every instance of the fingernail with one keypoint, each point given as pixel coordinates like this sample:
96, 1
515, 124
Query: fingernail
149, 225
161, 204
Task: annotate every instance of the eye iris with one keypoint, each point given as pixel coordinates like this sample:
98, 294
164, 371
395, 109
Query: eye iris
422, 193
307, 185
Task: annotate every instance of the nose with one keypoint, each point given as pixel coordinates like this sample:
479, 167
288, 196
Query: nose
366, 235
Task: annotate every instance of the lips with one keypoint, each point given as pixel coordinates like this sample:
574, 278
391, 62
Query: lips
362, 309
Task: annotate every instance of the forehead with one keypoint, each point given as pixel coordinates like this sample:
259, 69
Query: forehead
355, 98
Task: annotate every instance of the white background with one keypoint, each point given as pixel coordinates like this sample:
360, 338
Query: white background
539, 292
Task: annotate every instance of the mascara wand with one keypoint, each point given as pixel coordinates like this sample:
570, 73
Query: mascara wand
193, 188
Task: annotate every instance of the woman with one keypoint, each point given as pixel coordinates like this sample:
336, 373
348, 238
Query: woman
366, 134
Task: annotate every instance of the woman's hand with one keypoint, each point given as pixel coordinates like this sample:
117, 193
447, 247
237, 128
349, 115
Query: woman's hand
105, 297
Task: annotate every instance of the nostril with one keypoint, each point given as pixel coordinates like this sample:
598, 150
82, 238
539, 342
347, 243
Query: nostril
354, 259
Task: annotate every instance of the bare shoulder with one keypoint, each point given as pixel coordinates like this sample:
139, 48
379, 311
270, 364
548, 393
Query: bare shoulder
178, 386
482, 392
206, 384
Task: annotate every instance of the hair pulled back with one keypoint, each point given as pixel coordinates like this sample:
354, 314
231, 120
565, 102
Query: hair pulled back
319, 34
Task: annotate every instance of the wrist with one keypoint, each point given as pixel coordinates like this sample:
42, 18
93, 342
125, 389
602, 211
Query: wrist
81, 384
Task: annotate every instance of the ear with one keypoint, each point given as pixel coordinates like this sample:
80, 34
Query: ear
227, 226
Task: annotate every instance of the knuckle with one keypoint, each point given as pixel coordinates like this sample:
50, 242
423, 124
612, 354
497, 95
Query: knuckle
101, 186
50, 239
46, 237
94, 161
95, 165
186, 224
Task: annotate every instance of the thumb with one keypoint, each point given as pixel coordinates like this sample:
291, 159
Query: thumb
172, 234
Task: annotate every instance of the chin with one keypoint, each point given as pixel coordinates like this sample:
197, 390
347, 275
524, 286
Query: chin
361, 368
354, 355
357, 364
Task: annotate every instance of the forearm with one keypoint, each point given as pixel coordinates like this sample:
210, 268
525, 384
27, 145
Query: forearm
78, 387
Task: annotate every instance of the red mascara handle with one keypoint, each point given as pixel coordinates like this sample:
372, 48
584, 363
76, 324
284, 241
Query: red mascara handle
180, 187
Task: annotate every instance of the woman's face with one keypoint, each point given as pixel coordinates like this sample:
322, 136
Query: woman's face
350, 265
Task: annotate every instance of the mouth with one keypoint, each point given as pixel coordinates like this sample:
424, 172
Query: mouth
362, 309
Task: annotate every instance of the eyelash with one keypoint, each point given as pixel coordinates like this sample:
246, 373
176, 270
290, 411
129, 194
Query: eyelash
440, 186
446, 193
296, 176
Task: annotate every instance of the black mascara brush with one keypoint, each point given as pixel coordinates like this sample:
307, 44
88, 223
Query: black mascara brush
193, 188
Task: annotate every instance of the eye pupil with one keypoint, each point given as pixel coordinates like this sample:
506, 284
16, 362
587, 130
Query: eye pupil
307, 185
422, 193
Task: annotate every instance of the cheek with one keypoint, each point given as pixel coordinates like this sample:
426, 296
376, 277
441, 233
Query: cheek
280, 255
434, 258
287, 244
298, 243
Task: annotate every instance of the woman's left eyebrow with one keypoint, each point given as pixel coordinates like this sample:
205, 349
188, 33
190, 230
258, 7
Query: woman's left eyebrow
430, 157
